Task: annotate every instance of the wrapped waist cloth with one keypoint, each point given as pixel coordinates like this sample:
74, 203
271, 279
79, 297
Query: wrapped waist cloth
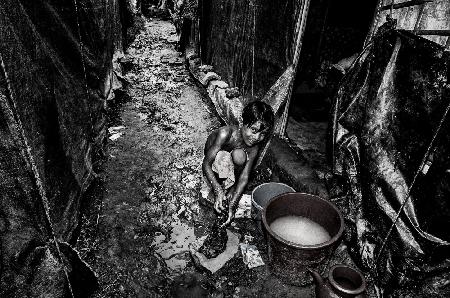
224, 167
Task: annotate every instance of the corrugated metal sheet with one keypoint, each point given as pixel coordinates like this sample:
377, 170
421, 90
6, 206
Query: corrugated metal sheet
429, 16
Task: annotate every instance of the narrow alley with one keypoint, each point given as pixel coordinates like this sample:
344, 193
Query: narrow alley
138, 237
153, 171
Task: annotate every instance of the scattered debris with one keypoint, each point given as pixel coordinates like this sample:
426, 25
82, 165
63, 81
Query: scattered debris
250, 255
244, 207
172, 39
190, 181
206, 68
115, 136
115, 129
176, 61
204, 80
232, 92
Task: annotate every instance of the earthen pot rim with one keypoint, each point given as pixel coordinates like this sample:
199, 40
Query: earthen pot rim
355, 291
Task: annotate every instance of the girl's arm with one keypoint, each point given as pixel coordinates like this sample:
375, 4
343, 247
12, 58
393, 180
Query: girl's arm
240, 186
211, 151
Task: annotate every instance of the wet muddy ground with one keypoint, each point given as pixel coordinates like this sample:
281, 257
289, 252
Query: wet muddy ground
144, 213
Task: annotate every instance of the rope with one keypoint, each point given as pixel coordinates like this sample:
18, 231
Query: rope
424, 159
28, 154
253, 45
299, 30
88, 98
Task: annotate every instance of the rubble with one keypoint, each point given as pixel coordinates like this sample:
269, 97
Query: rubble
206, 78
244, 207
250, 255
115, 136
206, 68
232, 92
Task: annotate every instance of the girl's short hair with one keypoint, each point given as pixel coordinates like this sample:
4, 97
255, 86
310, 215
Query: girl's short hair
258, 111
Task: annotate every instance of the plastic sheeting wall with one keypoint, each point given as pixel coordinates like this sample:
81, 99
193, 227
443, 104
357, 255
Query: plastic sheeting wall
392, 149
248, 42
56, 58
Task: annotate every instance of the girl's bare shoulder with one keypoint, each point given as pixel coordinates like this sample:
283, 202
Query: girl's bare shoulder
224, 132
219, 135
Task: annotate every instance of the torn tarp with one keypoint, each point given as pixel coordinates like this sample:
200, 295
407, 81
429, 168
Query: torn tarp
392, 146
56, 63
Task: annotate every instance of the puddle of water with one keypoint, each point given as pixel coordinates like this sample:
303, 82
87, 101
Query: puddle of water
171, 250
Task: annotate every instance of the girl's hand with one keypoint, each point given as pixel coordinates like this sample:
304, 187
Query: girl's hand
229, 219
218, 206
230, 212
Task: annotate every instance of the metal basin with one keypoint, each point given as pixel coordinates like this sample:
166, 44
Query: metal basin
289, 260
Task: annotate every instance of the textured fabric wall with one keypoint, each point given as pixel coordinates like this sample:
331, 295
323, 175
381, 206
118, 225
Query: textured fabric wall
56, 56
248, 42
392, 148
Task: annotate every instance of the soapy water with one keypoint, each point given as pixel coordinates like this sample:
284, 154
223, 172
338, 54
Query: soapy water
299, 230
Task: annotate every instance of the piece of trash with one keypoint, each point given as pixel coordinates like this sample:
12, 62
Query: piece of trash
190, 181
179, 165
142, 116
232, 92
176, 61
115, 129
244, 207
115, 136
182, 209
250, 255
248, 239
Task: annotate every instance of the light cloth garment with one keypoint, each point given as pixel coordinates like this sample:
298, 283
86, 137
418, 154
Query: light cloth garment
224, 167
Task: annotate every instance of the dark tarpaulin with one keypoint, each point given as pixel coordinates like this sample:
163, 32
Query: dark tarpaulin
392, 139
248, 42
52, 128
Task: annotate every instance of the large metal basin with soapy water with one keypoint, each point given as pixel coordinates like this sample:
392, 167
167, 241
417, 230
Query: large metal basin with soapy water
290, 261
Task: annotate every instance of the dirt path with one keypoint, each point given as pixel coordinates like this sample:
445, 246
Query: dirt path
152, 173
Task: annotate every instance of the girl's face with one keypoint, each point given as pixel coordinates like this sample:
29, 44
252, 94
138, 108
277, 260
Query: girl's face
253, 134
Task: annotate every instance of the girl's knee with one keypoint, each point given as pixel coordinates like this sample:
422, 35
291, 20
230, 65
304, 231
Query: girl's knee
239, 156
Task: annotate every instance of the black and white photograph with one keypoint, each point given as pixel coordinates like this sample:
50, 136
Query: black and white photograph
224, 148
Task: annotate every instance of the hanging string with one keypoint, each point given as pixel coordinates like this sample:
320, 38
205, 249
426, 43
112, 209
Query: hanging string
253, 45
424, 159
298, 34
88, 98
29, 158
83, 63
